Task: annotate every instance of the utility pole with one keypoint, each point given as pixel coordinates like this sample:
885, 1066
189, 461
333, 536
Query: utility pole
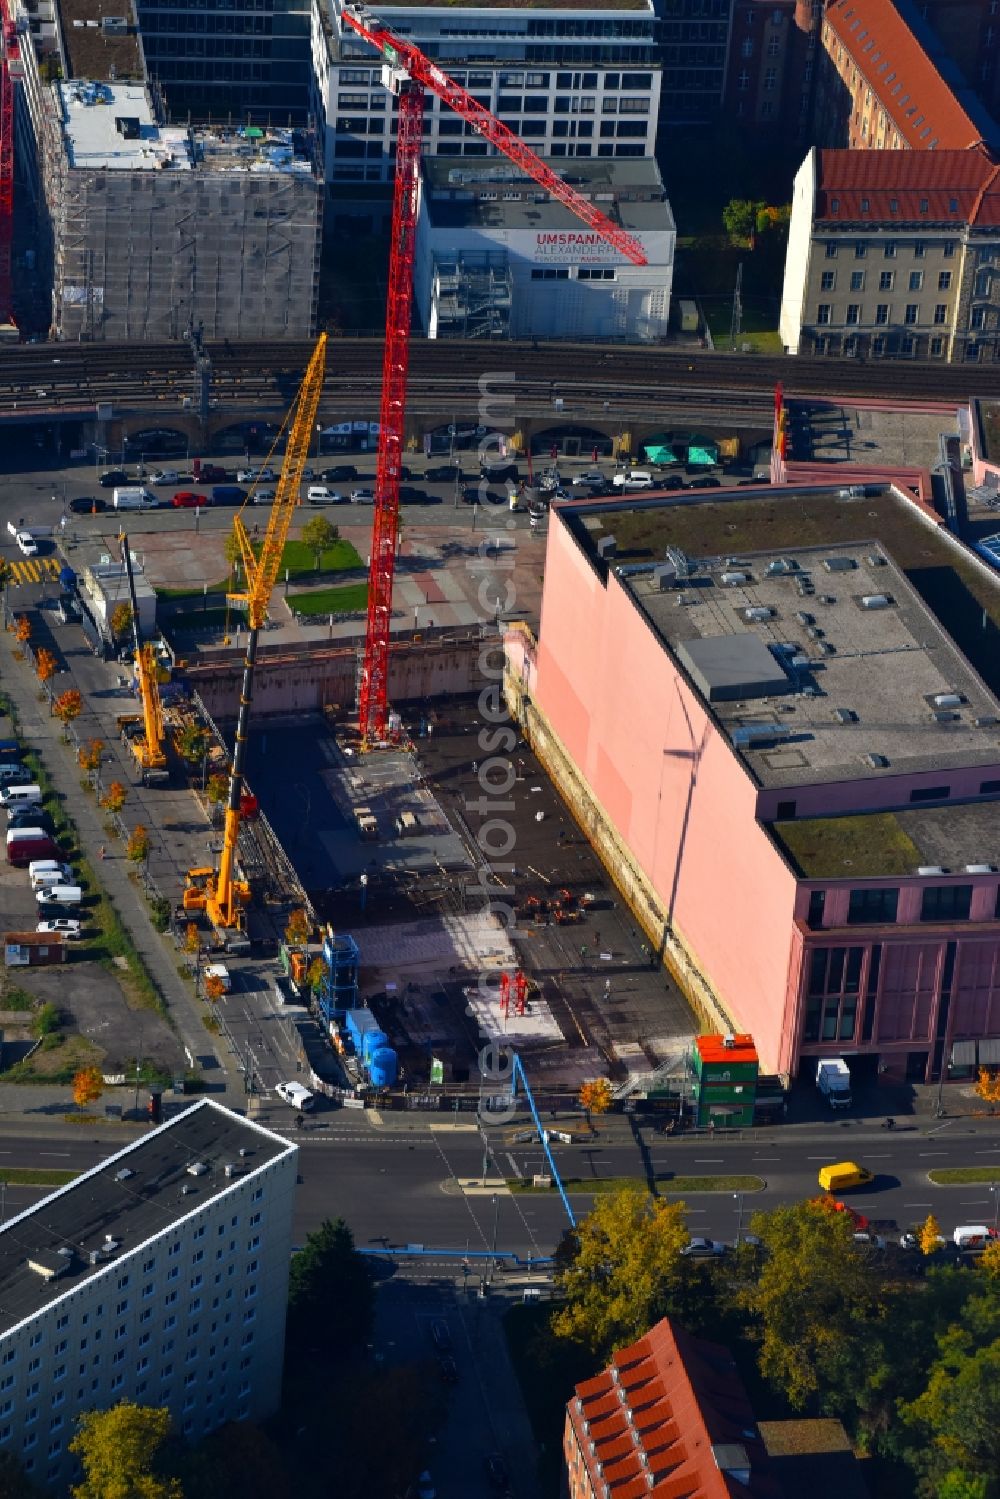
736, 324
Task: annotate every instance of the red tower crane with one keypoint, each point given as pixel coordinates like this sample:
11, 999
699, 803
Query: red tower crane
11, 68
407, 72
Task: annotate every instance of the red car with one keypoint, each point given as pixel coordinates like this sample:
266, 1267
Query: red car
213, 474
186, 499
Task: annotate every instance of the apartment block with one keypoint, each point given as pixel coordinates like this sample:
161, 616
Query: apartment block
571, 82
894, 254
159, 1276
886, 82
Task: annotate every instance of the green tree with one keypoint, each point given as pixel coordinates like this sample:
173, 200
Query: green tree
739, 219
121, 1451
620, 1269
331, 1300
956, 1420
813, 1301
192, 743
319, 535
239, 1461
14, 1482
401, 1403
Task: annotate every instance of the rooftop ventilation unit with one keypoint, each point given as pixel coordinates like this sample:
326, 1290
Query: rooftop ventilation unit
606, 547
804, 618
828, 648
679, 562
758, 614
986, 721
814, 632
980, 869
781, 566
751, 734
839, 564
947, 700
114, 25
929, 869
877, 762
734, 580
944, 717
845, 715
197, 1168
729, 1041
875, 601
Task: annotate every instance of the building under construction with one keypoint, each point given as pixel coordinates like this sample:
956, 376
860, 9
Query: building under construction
147, 230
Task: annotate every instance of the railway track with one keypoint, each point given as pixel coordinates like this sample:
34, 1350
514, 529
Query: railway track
43, 377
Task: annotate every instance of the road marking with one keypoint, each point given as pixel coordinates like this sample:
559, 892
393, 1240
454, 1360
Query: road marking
62, 1154
932, 1152
455, 1129
918, 1204
989, 1150
708, 1160
766, 1158
817, 1157
514, 1166
976, 1202
876, 1157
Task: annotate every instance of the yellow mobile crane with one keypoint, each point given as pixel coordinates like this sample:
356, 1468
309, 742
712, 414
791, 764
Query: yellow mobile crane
220, 893
148, 750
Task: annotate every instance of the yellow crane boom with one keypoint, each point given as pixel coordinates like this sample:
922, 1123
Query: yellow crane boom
225, 895
150, 753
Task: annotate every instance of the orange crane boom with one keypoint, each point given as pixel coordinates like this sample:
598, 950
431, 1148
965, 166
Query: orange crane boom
149, 752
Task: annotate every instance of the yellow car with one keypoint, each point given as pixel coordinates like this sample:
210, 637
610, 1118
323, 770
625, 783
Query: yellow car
843, 1175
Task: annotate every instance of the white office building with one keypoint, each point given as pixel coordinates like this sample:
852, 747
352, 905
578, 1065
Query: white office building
570, 81
160, 1276
497, 257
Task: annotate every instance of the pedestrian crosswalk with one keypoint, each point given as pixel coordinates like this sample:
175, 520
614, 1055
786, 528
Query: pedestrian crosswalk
34, 570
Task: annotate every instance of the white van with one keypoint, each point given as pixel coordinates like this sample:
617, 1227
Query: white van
55, 874
59, 895
973, 1236
27, 835
300, 1098
20, 796
639, 478
133, 497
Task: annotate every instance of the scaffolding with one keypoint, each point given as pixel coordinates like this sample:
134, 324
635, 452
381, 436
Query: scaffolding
471, 295
338, 990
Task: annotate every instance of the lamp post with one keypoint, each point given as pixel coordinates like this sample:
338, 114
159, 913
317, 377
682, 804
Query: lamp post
738, 1199
493, 1247
995, 1194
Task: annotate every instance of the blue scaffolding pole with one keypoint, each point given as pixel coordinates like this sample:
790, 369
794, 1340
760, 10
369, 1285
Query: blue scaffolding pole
519, 1072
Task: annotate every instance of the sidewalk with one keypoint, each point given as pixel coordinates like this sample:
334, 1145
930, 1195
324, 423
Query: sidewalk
43, 733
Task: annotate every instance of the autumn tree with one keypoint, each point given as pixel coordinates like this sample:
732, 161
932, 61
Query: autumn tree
121, 620
193, 743
988, 1085
989, 1261
68, 706
192, 938
46, 664
88, 1085
114, 798
314, 974
298, 929
620, 1269
121, 1451
22, 629
91, 754
137, 847
929, 1235
215, 988
217, 790
812, 1300
319, 535
596, 1096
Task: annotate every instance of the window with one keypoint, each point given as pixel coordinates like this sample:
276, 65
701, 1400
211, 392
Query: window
930, 794
857, 281
916, 280
774, 46
549, 273
940, 313
770, 78
889, 250
834, 986
853, 313
872, 906
822, 312
828, 281
860, 249
746, 49
885, 280
911, 313
944, 280
977, 318
919, 250
831, 250
989, 788
865, 205
946, 903
817, 903
948, 249
882, 313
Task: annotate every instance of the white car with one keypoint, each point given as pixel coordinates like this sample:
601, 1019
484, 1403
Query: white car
704, 1249
165, 476
221, 972
362, 497
251, 475
588, 479
63, 926
26, 543
320, 494
264, 496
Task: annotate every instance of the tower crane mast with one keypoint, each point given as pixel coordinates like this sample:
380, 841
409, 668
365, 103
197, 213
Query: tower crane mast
222, 894
407, 73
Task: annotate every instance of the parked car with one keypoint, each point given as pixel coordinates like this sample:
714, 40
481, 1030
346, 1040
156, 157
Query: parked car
409, 494
591, 477
212, 473
26, 543
319, 494
264, 496
340, 471
704, 1249
64, 926
444, 473
704, 481
440, 1336
86, 504
188, 499
448, 1369
362, 496
113, 478
251, 475
164, 476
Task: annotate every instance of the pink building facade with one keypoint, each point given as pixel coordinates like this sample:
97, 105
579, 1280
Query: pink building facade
902, 970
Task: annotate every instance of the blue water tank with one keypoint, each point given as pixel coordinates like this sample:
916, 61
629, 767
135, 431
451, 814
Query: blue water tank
370, 1043
383, 1067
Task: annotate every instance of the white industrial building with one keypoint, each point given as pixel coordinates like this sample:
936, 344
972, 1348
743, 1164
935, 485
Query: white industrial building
496, 256
581, 81
159, 1276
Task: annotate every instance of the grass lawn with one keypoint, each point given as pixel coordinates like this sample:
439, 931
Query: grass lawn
29, 1176
838, 847
202, 619
347, 600
666, 1181
299, 561
759, 324
958, 1176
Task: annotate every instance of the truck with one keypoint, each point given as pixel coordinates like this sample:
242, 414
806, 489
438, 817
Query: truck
133, 497
833, 1079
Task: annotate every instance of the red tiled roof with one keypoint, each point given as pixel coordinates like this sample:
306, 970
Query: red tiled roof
900, 71
908, 187
672, 1407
